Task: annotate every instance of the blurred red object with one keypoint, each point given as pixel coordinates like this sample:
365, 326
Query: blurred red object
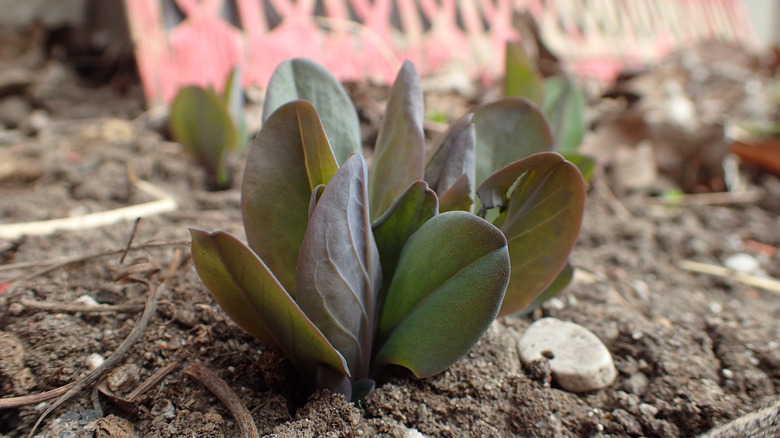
185, 42
763, 153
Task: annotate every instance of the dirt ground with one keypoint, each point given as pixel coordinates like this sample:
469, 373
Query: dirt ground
693, 351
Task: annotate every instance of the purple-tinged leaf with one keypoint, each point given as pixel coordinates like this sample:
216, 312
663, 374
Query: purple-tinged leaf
288, 159
459, 196
446, 292
399, 154
304, 79
508, 130
542, 199
250, 294
391, 231
339, 275
452, 159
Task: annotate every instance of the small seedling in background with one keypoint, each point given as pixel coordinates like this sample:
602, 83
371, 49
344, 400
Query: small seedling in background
561, 99
210, 127
348, 271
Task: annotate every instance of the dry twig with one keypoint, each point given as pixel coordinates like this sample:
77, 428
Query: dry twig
164, 203
81, 308
228, 398
61, 262
765, 283
717, 198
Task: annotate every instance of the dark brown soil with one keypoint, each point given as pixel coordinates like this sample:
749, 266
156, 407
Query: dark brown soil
693, 351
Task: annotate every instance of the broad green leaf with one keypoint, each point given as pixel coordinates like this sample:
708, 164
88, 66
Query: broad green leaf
304, 79
452, 157
561, 281
522, 78
399, 155
446, 291
564, 104
288, 159
339, 275
508, 130
391, 231
200, 122
542, 199
250, 294
233, 99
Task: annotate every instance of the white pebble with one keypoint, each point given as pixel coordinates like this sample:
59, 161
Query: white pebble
744, 263
716, 307
86, 301
579, 361
93, 361
413, 433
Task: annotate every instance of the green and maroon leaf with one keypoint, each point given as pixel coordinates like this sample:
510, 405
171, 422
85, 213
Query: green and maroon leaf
250, 294
564, 104
446, 292
233, 99
452, 163
459, 196
288, 159
304, 79
200, 121
508, 130
339, 274
542, 199
522, 79
391, 231
399, 155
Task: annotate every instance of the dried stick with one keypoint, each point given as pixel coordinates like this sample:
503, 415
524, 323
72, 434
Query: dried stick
130, 240
765, 283
34, 399
163, 204
111, 361
65, 261
228, 398
716, 198
153, 380
81, 308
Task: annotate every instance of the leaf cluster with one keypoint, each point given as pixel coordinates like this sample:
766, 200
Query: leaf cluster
348, 270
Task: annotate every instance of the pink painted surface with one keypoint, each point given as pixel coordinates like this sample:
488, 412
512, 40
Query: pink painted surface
358, 39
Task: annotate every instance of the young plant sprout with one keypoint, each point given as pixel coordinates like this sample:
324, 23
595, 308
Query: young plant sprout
210, 127
561, 99
348, 270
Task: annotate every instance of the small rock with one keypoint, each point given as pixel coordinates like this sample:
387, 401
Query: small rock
579, 361
14, 110
636, 384
16, 309
165, 409
744, 263
648, 412
124, 377
86, 301
413, 433
93, 361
